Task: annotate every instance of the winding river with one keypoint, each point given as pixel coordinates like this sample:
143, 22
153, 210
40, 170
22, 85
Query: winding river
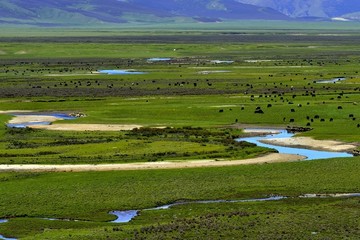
127, 216
308, 153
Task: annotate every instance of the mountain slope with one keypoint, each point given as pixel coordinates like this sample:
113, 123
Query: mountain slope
68, 12
310, 8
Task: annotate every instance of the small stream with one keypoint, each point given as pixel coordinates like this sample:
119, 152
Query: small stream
127, 216
308, 153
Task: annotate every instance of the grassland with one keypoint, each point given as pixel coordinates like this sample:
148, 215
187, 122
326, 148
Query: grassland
203, 107
89, 196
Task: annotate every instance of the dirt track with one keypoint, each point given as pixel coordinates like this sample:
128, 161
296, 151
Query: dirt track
270, 158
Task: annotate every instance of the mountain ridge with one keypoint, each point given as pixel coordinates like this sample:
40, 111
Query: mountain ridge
67, 12
115, 12
326, 9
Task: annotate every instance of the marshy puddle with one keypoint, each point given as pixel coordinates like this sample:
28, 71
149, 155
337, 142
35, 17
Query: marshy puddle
124, 216
222, 61
159, 59
308, 153
334, 80
215, 71
120, 72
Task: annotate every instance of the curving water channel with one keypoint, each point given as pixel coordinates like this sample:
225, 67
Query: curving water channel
127, 216
308, 153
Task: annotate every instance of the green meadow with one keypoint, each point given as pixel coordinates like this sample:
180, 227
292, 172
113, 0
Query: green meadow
191, 108
89, 197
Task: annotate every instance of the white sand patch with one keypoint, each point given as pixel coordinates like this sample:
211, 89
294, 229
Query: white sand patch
223, 106
261, 60
21, 52
87, 127
68, 74
33, 118
262, 131
307, 142
217, 71
270, 158
15, 111
23, 119
254, 67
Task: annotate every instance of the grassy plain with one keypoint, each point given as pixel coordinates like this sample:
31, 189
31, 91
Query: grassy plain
89, 196
204, 104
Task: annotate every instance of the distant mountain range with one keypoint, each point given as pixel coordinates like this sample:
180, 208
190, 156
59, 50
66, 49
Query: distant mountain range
96, 12
323, 9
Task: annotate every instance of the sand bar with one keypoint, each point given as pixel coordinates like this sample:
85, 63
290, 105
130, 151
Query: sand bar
87, 127
310, 143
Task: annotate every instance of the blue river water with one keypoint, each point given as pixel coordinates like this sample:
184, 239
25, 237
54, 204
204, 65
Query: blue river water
308, 153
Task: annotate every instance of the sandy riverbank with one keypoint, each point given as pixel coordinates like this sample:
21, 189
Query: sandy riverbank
310, 143
270, 158
28, 117
302, 142
87, 127
33, 119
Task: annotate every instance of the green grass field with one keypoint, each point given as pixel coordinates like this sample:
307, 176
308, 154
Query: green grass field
89, 196
203, 107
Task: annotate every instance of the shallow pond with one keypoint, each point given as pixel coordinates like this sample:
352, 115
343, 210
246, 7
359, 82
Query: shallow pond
222, 61
60, 116
308, 153
120, 72
158, 59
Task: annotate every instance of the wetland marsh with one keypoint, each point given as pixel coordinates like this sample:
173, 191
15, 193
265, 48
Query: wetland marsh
187, 108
